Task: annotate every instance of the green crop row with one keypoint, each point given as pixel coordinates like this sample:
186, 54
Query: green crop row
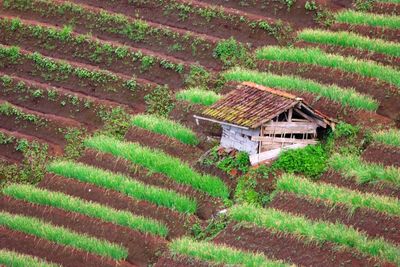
369, 19
158, 161
316, 231
98, 52
123, 184
389, 137
344, 96
198, 96
14, 259
338, 195
9, 110
316, 56
166, 127
62, 236
220, 254
135, 30
348, 39
353, 167
62, 201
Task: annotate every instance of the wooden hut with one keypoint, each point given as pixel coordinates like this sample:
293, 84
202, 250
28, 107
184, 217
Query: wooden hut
263, 121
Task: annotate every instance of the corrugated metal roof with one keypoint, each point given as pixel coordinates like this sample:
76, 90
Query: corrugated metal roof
251, 105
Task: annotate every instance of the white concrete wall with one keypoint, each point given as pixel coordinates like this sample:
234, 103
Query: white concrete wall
237, 138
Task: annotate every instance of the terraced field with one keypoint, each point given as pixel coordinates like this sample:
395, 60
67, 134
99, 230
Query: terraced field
102, 163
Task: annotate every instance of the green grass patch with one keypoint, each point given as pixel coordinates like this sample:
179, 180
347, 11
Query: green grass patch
198, 96
316, 231
62, 201
62, 236
369, 19
318, 57
158, 161
310, 160
221, 254
336, 195
389, 137
353, 167
166, 127
348, 39
344, 96
14, 259
123, 184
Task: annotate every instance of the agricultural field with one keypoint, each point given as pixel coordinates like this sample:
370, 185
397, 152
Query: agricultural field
103, 164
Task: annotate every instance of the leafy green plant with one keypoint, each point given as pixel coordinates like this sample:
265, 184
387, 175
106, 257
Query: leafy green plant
310, 161
197, 76
160, 101
61, 235
62, 201
233, 53
166, 127
116, 121
74, 147
158, 161
310, 6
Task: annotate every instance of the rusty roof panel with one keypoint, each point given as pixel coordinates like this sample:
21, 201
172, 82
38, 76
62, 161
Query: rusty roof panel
251, 105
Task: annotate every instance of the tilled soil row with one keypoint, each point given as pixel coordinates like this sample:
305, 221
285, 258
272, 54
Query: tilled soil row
112, 88
64, 103
373, 32
386, 8
290, 248
208, 206
142, 248
178, 224
373, 223
357, 53
52, 252
244, 27
92, 52
337, 179
180, 43
377, 89
9, 150
180, 261
51, 128
382, 154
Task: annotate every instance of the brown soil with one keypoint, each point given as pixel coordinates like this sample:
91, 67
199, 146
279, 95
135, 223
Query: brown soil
142, 248
297, 15
386, 8
208, 206
178, 224
386, 94
357, 53
9, 150
50, 131
83, 53
49, 251
289, 248
381, 154
160, 43
167, 144
110, 90
180, 261
373, 32
218, 27
374, 223
335, 178
62, 106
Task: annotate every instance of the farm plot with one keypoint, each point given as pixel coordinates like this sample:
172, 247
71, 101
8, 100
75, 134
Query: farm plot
104, 165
